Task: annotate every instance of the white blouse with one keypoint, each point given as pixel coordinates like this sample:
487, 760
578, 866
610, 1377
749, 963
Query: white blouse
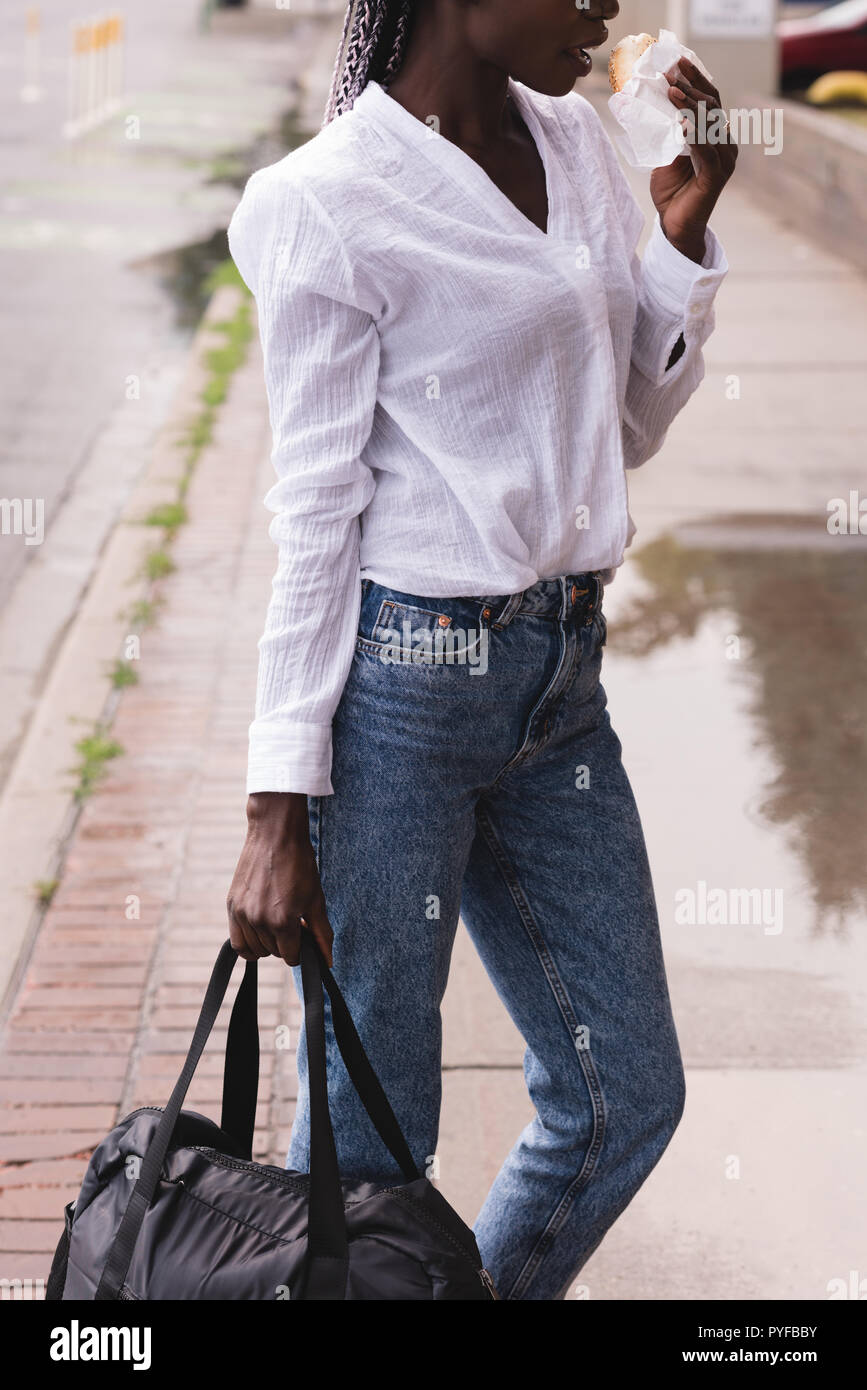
454, 394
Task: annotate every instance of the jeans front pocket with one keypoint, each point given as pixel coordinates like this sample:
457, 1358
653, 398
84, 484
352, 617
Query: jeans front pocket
407, 626
407, 630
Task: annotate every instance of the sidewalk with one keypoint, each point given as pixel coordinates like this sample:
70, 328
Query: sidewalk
107, 1004
107, 1008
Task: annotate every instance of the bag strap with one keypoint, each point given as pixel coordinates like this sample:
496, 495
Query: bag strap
241, 1067
328, 1250
365, 1079
123, 1245
327, 1245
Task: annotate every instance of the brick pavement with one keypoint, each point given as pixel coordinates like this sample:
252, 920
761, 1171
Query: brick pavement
107, 1005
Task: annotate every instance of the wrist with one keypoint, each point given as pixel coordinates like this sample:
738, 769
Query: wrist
283, 812
692, 244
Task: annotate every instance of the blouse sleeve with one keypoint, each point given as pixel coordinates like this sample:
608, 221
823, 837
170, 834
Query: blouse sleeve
321, 353
675, 298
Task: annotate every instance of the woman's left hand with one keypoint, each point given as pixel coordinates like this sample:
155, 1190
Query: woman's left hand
685, 192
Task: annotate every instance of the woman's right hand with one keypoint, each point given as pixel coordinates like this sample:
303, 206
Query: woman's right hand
277, 882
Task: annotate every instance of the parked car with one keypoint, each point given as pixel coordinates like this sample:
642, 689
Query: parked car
835, 39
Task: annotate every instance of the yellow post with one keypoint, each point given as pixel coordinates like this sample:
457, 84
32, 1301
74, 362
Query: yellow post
31, 90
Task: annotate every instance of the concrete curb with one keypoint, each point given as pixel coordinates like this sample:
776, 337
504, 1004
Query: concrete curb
818, 184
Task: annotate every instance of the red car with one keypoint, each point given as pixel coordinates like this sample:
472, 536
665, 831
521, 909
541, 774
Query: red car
833, 40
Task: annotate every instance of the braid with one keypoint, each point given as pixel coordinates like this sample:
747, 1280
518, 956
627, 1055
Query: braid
372, 46
400, 40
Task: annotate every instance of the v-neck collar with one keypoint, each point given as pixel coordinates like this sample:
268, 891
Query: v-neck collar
375, 102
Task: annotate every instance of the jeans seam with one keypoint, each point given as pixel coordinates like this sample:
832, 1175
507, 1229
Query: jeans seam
558, 989
314, 816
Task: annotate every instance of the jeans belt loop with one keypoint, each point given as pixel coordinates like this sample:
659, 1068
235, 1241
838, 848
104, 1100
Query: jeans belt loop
566, 605
509, 610
596, 602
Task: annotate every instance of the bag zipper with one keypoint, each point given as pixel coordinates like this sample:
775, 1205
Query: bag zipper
431, 1220
303, 1185
300, 1184
241, 1165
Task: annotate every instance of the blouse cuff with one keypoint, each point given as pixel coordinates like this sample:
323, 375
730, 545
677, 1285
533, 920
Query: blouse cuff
286, 756
677, 297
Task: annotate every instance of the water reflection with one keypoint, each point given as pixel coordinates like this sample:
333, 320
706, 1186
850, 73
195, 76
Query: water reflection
797, 600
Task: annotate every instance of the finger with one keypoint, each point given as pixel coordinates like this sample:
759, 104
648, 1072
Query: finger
712, 136
678, 78
697, 95
265, 937
686, 101
242, 936
258, 936
682, 100
707, 150
288, 940
698, 79
689, 120
238, 942
319, 925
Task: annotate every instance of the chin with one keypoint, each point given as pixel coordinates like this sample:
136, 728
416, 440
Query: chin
560, 89
557, 81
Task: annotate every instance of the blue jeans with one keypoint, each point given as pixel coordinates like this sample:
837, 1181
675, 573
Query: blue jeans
476, 772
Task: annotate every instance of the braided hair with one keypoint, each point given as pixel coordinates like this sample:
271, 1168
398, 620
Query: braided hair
373, 45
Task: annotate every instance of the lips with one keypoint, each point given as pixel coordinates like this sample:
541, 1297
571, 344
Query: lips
581, 50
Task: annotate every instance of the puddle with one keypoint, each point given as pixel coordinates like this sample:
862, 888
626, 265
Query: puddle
235, 166
747, 638
183, 271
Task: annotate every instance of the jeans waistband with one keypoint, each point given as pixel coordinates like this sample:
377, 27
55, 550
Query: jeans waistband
572, 595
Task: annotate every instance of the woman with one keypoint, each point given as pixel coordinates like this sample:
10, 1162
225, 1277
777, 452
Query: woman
463, 354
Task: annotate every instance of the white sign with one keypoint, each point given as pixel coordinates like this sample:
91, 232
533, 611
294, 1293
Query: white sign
731, 19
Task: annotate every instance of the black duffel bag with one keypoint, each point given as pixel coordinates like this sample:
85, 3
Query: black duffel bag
173, 1207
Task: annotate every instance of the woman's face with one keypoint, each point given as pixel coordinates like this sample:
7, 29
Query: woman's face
531, 39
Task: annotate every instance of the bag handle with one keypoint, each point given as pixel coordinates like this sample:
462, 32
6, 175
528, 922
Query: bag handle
328, 1249
242, 1062
123, 1245
241, 1065
360, 1069
240, 1084
327, 1245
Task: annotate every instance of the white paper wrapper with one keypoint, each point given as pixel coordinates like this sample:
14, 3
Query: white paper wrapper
652, 134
